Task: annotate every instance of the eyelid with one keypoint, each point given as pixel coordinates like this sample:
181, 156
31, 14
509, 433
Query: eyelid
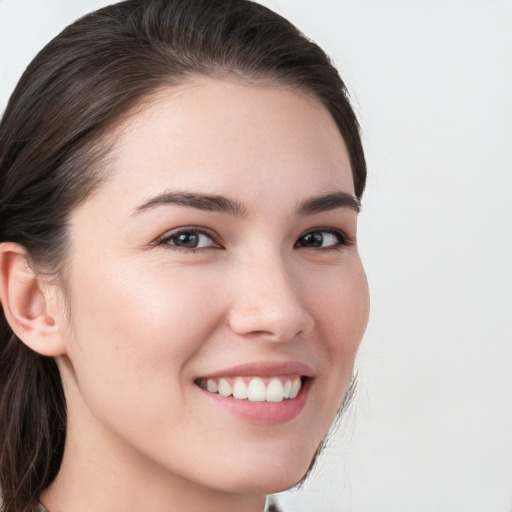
346, 240
163, 239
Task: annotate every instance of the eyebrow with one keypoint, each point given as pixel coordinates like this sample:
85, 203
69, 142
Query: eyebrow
328, 202
212, 203
217, 203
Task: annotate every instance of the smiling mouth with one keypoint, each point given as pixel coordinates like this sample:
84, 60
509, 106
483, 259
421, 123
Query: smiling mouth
254, 389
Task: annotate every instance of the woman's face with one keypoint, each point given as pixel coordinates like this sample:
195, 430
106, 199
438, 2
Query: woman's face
220, 253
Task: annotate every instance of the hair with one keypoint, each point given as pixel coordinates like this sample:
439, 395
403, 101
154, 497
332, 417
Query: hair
53, 140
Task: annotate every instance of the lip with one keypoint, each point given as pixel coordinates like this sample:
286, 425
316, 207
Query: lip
264, 369
263, 413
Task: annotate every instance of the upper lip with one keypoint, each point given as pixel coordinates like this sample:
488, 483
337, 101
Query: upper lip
264, 369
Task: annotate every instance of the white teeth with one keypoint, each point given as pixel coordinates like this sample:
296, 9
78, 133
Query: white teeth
256, 390
275, 391
211, 386
224, 388
296, 385
240, 389
287, 389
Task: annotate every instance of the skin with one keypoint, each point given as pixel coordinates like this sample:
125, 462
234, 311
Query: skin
146, 317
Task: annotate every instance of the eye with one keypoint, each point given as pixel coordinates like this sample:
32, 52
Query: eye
189, 239
323, 239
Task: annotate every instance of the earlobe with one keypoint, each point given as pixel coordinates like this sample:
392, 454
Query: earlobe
26, 304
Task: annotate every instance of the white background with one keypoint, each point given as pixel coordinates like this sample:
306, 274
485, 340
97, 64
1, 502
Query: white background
431, 430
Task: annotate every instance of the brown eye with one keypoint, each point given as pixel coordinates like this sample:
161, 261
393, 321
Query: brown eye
321, 239
189, 239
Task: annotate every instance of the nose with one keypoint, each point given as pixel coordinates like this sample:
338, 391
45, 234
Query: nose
267, 303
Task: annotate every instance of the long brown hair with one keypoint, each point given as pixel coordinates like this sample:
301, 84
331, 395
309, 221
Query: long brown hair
81, 84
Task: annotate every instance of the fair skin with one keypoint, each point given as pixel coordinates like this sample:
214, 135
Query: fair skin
167, 289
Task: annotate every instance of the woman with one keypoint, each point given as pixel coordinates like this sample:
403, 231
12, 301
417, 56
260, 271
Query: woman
182, 293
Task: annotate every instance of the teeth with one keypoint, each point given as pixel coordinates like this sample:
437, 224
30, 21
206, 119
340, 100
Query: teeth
211, 386
275, 390
287, 389
256, 391
296, 384
224, 388
240, 389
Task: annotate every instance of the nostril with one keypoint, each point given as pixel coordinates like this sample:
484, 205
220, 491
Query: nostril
279, 324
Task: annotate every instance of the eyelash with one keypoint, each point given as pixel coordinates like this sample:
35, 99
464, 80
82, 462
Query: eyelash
168, 237
342, 239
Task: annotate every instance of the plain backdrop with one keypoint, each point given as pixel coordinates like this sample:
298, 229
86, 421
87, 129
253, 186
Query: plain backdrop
431, 428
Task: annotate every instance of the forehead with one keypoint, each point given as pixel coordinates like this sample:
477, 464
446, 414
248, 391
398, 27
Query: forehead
218, 136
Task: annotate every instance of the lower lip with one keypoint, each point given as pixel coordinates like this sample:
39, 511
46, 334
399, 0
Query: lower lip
264, 413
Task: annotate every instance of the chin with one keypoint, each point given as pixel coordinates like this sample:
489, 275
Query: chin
270, 483
270, 476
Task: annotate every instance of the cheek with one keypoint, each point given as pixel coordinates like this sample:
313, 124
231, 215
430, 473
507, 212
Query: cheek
342, 307
341, 310
139, 326
133, 335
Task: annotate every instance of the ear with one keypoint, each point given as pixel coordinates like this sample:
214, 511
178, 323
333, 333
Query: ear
28, 305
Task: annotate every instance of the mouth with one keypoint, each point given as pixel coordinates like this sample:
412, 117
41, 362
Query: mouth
259, 393
254, 388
